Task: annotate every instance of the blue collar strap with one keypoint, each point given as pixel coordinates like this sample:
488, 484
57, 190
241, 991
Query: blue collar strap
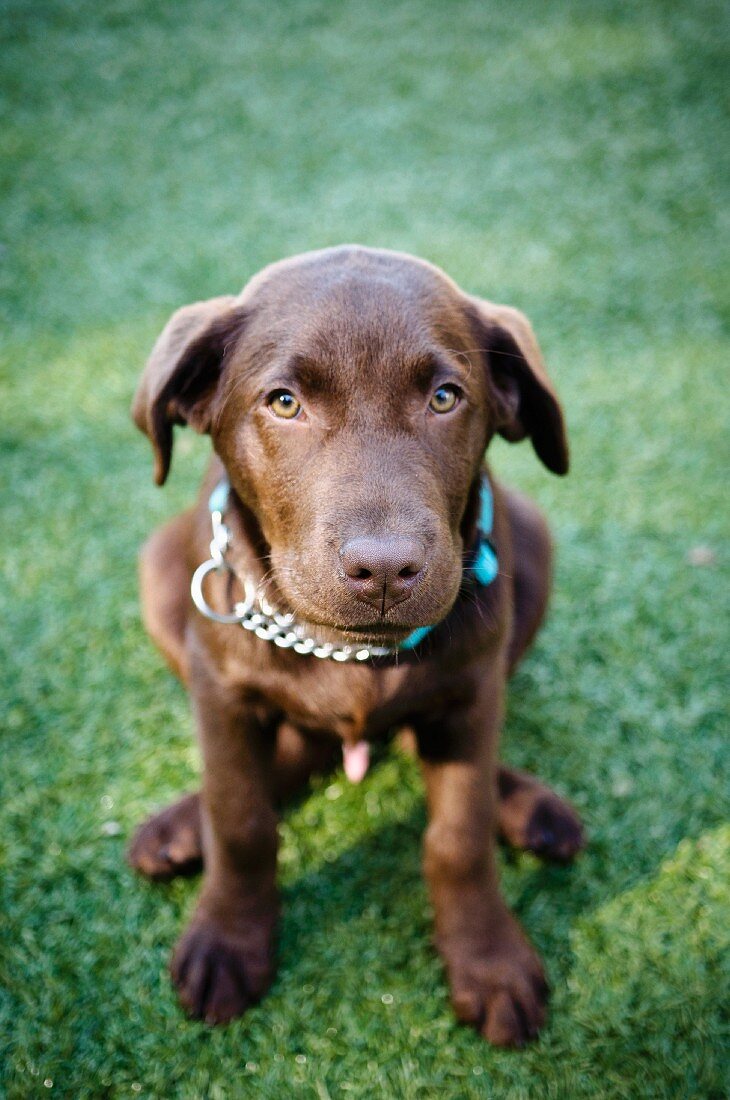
485, 565
482, 564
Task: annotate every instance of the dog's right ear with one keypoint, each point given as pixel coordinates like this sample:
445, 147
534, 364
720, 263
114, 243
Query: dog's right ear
182, 374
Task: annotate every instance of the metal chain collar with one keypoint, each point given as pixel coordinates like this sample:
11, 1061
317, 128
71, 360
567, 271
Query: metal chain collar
256, 614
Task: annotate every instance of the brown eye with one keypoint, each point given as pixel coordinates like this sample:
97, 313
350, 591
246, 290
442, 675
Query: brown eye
444, 399
284, 404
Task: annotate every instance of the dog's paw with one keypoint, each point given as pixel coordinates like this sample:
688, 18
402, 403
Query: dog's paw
500, 991
553, 830
535, 819
218, 975
169, 843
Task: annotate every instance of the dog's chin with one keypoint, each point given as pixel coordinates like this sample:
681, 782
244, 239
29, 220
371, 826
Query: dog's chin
361, 634
377, 634
351, 629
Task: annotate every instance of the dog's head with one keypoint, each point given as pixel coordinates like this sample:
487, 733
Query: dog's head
350, 394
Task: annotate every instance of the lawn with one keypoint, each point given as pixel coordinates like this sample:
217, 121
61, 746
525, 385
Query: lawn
567, 158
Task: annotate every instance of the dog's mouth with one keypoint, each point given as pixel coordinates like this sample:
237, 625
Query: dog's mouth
329, 627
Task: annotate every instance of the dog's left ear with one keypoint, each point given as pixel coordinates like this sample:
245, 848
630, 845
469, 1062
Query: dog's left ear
524, 399
181, 378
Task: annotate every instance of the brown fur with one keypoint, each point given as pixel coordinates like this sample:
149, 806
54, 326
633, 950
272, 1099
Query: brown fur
365, 474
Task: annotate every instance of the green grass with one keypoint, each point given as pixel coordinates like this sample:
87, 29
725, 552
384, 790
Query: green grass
566, 158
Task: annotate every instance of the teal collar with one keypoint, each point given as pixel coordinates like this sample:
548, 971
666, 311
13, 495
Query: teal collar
481, 565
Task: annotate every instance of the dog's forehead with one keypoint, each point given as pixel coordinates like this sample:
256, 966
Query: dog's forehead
320, 271
351, 302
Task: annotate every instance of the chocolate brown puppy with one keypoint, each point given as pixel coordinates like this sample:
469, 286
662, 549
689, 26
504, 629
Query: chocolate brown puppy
385, 580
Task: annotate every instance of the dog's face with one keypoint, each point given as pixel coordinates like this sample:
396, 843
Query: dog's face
350, 394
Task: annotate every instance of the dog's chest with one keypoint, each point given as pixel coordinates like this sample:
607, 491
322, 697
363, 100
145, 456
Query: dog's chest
356, 702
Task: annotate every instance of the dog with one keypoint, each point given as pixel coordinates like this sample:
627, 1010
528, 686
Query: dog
385, 581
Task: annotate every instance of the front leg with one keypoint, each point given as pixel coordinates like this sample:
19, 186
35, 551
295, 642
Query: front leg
225, 959
497, 982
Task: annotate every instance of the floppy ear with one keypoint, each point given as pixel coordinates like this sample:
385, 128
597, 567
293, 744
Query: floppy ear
182, 373
523, 395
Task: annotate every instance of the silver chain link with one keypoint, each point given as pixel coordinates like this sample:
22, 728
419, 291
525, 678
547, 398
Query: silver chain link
256, 614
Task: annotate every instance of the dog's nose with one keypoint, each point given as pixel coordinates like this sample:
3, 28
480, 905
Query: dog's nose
383, 571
